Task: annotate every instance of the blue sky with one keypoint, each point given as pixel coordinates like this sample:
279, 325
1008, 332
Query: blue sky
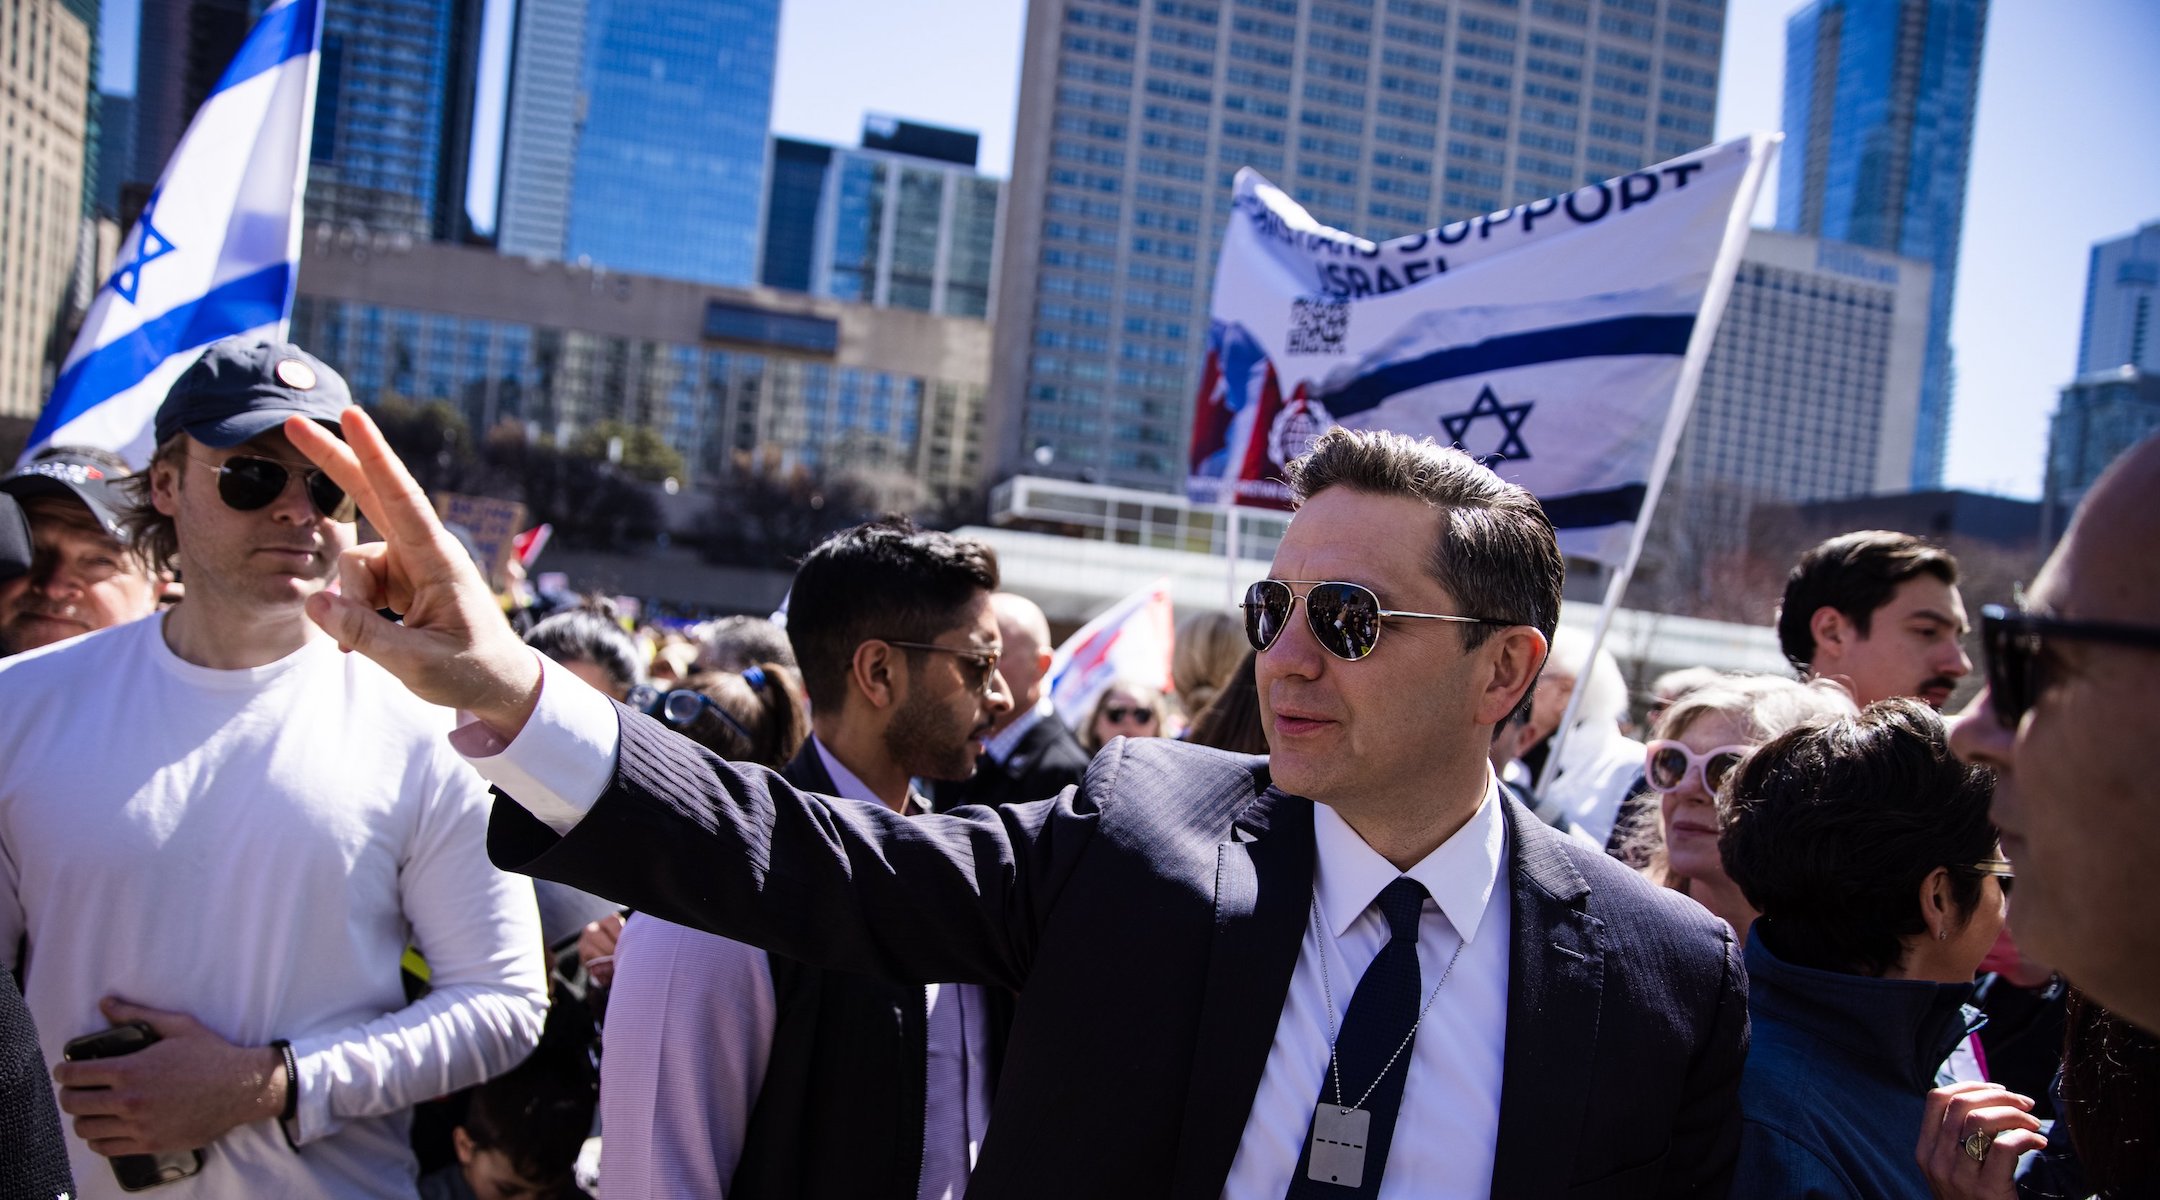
2066, 153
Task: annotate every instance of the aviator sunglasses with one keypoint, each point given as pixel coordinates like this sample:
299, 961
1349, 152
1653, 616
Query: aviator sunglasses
1344, 617
1666, 765
2014, 642
246, 483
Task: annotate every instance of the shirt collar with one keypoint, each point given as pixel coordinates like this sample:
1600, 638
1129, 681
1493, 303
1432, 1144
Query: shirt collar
1007, 739
850, 785
1460, 874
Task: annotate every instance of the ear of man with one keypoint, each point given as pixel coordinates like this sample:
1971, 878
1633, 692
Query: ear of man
878, 674
1832, 632
1512, 659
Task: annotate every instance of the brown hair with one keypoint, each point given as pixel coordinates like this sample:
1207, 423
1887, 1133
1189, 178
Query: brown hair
1854, 573
765, 700
153, 535
1496, 554
1233, 722
1210, 645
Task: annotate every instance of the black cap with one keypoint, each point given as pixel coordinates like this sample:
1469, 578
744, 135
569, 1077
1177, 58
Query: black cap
14, 539
95, 482
241, 389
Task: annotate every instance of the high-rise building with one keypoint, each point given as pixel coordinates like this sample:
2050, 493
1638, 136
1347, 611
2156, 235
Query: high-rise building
2121, 290
908, 224
1811, 393
385, 108
669, 173
182, 46
45, 54
1380, 118
2114, 401
1879, 100
540, 129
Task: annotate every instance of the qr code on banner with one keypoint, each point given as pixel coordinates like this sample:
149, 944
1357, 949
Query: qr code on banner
1317, 326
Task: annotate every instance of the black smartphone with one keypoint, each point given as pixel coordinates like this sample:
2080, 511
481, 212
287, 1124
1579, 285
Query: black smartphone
136, 1172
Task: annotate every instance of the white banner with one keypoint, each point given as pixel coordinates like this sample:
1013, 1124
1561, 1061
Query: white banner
1559, 340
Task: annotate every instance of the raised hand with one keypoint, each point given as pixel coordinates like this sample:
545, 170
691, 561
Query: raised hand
454, 647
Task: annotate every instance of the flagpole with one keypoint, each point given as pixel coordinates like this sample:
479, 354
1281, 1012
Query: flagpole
1230, 542
296, 237
1762, 147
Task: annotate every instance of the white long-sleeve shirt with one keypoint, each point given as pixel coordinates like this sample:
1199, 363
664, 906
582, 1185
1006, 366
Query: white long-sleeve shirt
256, 848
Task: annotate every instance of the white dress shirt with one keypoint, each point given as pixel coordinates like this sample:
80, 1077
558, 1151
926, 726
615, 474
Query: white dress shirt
1450, 1114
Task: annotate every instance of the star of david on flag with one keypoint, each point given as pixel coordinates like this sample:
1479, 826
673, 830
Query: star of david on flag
215, 252
1510, 416
1591, 311
145, 246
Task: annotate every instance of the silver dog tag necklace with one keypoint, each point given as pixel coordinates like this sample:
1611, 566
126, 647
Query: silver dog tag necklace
1340, 1131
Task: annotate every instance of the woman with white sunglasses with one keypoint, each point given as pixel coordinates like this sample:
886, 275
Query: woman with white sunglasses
1698, 742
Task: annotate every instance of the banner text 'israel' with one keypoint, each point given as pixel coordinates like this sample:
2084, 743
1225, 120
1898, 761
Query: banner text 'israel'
1548, 339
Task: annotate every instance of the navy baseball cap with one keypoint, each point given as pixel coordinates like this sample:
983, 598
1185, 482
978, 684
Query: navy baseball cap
93, 481
241, 389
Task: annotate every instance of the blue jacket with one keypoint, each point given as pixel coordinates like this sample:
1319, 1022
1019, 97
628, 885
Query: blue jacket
1837, 1077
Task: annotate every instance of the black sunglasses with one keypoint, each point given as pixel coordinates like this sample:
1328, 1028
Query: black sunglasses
2013, 641
981, 664
246, 483
1118, 712
1344, 617
681, 708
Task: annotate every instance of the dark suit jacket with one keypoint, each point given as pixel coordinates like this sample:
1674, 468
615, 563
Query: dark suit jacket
1149, 921
1048, 760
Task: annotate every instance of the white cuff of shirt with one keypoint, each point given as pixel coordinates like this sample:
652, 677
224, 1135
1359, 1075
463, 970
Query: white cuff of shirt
558, 765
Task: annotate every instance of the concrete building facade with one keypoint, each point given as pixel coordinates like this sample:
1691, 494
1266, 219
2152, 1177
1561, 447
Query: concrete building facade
45, 51
730, 378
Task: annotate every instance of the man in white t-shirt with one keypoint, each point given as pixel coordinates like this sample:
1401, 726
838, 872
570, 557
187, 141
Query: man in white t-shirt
215, 824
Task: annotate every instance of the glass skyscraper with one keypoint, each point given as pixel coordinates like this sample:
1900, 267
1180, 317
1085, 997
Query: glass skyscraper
669, 171
1879, 100
893, 228
385, 104
1382, 117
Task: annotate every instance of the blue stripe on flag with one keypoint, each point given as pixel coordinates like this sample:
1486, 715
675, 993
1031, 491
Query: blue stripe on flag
236, 307
1594, 339
283, 33
1589, 510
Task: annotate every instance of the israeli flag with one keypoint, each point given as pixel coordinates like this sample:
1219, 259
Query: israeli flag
215, 253
1559, 340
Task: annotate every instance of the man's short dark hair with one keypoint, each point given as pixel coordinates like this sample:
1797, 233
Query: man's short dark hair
883, 579
1854, 573
537, 1115
1496, 554
1830, 827
591, 633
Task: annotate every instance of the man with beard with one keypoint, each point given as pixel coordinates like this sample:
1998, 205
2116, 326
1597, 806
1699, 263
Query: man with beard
733, 1071
83, 575
1879, 614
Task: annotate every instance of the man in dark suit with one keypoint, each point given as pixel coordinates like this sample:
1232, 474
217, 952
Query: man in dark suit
1030, 755
1237, 977
733, 1071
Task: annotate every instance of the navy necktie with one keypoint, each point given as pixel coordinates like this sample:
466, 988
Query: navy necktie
1374, 1029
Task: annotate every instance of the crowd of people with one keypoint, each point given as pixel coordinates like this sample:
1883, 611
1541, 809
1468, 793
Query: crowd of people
845, 907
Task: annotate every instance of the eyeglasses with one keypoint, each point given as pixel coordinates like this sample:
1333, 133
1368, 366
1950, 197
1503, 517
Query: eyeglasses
2000, 869
982, 663
1666, 765
2014, 640
681, 708
1118, 713
246, 483
1344, 617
